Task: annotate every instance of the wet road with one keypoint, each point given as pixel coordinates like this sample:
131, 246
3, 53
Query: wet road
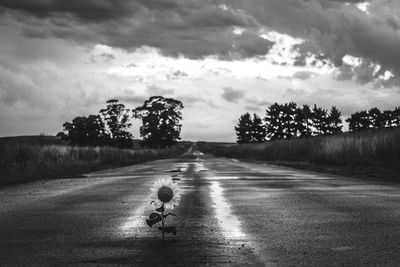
231, 213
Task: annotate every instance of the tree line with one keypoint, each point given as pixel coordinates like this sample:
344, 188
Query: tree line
285, 121
288, 120
374, 119
160, 128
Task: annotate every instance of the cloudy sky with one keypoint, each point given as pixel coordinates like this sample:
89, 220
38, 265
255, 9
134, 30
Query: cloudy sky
61, 59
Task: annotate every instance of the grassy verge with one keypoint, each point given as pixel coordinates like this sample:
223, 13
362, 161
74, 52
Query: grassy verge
369, 153
24, 162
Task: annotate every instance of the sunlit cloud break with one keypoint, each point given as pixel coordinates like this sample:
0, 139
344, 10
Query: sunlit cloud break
71, 58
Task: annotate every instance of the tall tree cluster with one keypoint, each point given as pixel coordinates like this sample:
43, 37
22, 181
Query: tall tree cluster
86, 131
285, 121
374, 119
250, 129
161, 125
161, 121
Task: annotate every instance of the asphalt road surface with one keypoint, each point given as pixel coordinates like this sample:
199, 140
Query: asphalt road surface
231, 213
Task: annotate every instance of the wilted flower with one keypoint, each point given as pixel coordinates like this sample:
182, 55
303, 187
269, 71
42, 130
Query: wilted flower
165, 192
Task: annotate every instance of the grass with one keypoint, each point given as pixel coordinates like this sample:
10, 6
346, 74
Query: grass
27, 162
372, 150
32, 140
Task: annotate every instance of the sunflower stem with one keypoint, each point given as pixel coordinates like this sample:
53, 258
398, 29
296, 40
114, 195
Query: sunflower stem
162, 222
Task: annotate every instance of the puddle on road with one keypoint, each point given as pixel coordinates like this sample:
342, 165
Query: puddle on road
222, 177
199, 167
198, 153
229, 223
135, 220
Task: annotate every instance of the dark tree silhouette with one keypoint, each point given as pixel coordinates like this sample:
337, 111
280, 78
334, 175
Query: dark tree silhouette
376, 118
396, 117
320, 120
389, 118
161, 121
289, 120
334, 121
84, 131
244, 129
274, 124
258, 131
117, 119
303, 120
358, 121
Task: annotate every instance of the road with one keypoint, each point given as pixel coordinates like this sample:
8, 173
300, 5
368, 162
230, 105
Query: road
231, 213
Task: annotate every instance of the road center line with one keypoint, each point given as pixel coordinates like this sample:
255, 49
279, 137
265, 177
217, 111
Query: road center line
229, 223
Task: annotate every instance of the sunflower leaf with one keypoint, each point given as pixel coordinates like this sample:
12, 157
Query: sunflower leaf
161, 209
168, 214
153, 219
168, 229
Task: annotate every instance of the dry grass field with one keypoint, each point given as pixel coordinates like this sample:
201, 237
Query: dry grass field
372, 149
21, 162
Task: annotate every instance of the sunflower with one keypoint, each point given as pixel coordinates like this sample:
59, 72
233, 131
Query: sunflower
165, 192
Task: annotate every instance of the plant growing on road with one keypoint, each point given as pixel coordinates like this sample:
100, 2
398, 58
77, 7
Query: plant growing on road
165, 195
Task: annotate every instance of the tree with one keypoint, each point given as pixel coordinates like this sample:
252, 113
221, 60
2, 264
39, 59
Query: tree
320, 120
244, 129
84, 131
334, 121
117, 119
258, 131
161, 121
303, 121
358, 121
376, 118
389, 118
274, 122
396, 117
288, 120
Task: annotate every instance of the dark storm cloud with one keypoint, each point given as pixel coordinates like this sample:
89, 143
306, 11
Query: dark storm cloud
350, 1
334, 28
193, 29
363, 73
232, 95
87, 10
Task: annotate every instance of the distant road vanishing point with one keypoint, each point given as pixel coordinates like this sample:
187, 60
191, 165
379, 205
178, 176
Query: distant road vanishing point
231, 213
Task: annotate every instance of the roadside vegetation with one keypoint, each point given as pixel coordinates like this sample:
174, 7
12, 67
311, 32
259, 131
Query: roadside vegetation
24, 162
372, 152
288, 121
160, 128
312, 138
95, 142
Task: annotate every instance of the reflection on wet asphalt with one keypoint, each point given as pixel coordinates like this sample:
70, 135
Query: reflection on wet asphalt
231, 213
228, 222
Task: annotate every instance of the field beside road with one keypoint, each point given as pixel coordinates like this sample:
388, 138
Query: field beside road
24, 162
374, 153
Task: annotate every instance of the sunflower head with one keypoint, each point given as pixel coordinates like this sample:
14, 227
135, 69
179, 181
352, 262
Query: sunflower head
165, 193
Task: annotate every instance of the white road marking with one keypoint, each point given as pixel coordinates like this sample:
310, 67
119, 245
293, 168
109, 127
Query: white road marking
229, 223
